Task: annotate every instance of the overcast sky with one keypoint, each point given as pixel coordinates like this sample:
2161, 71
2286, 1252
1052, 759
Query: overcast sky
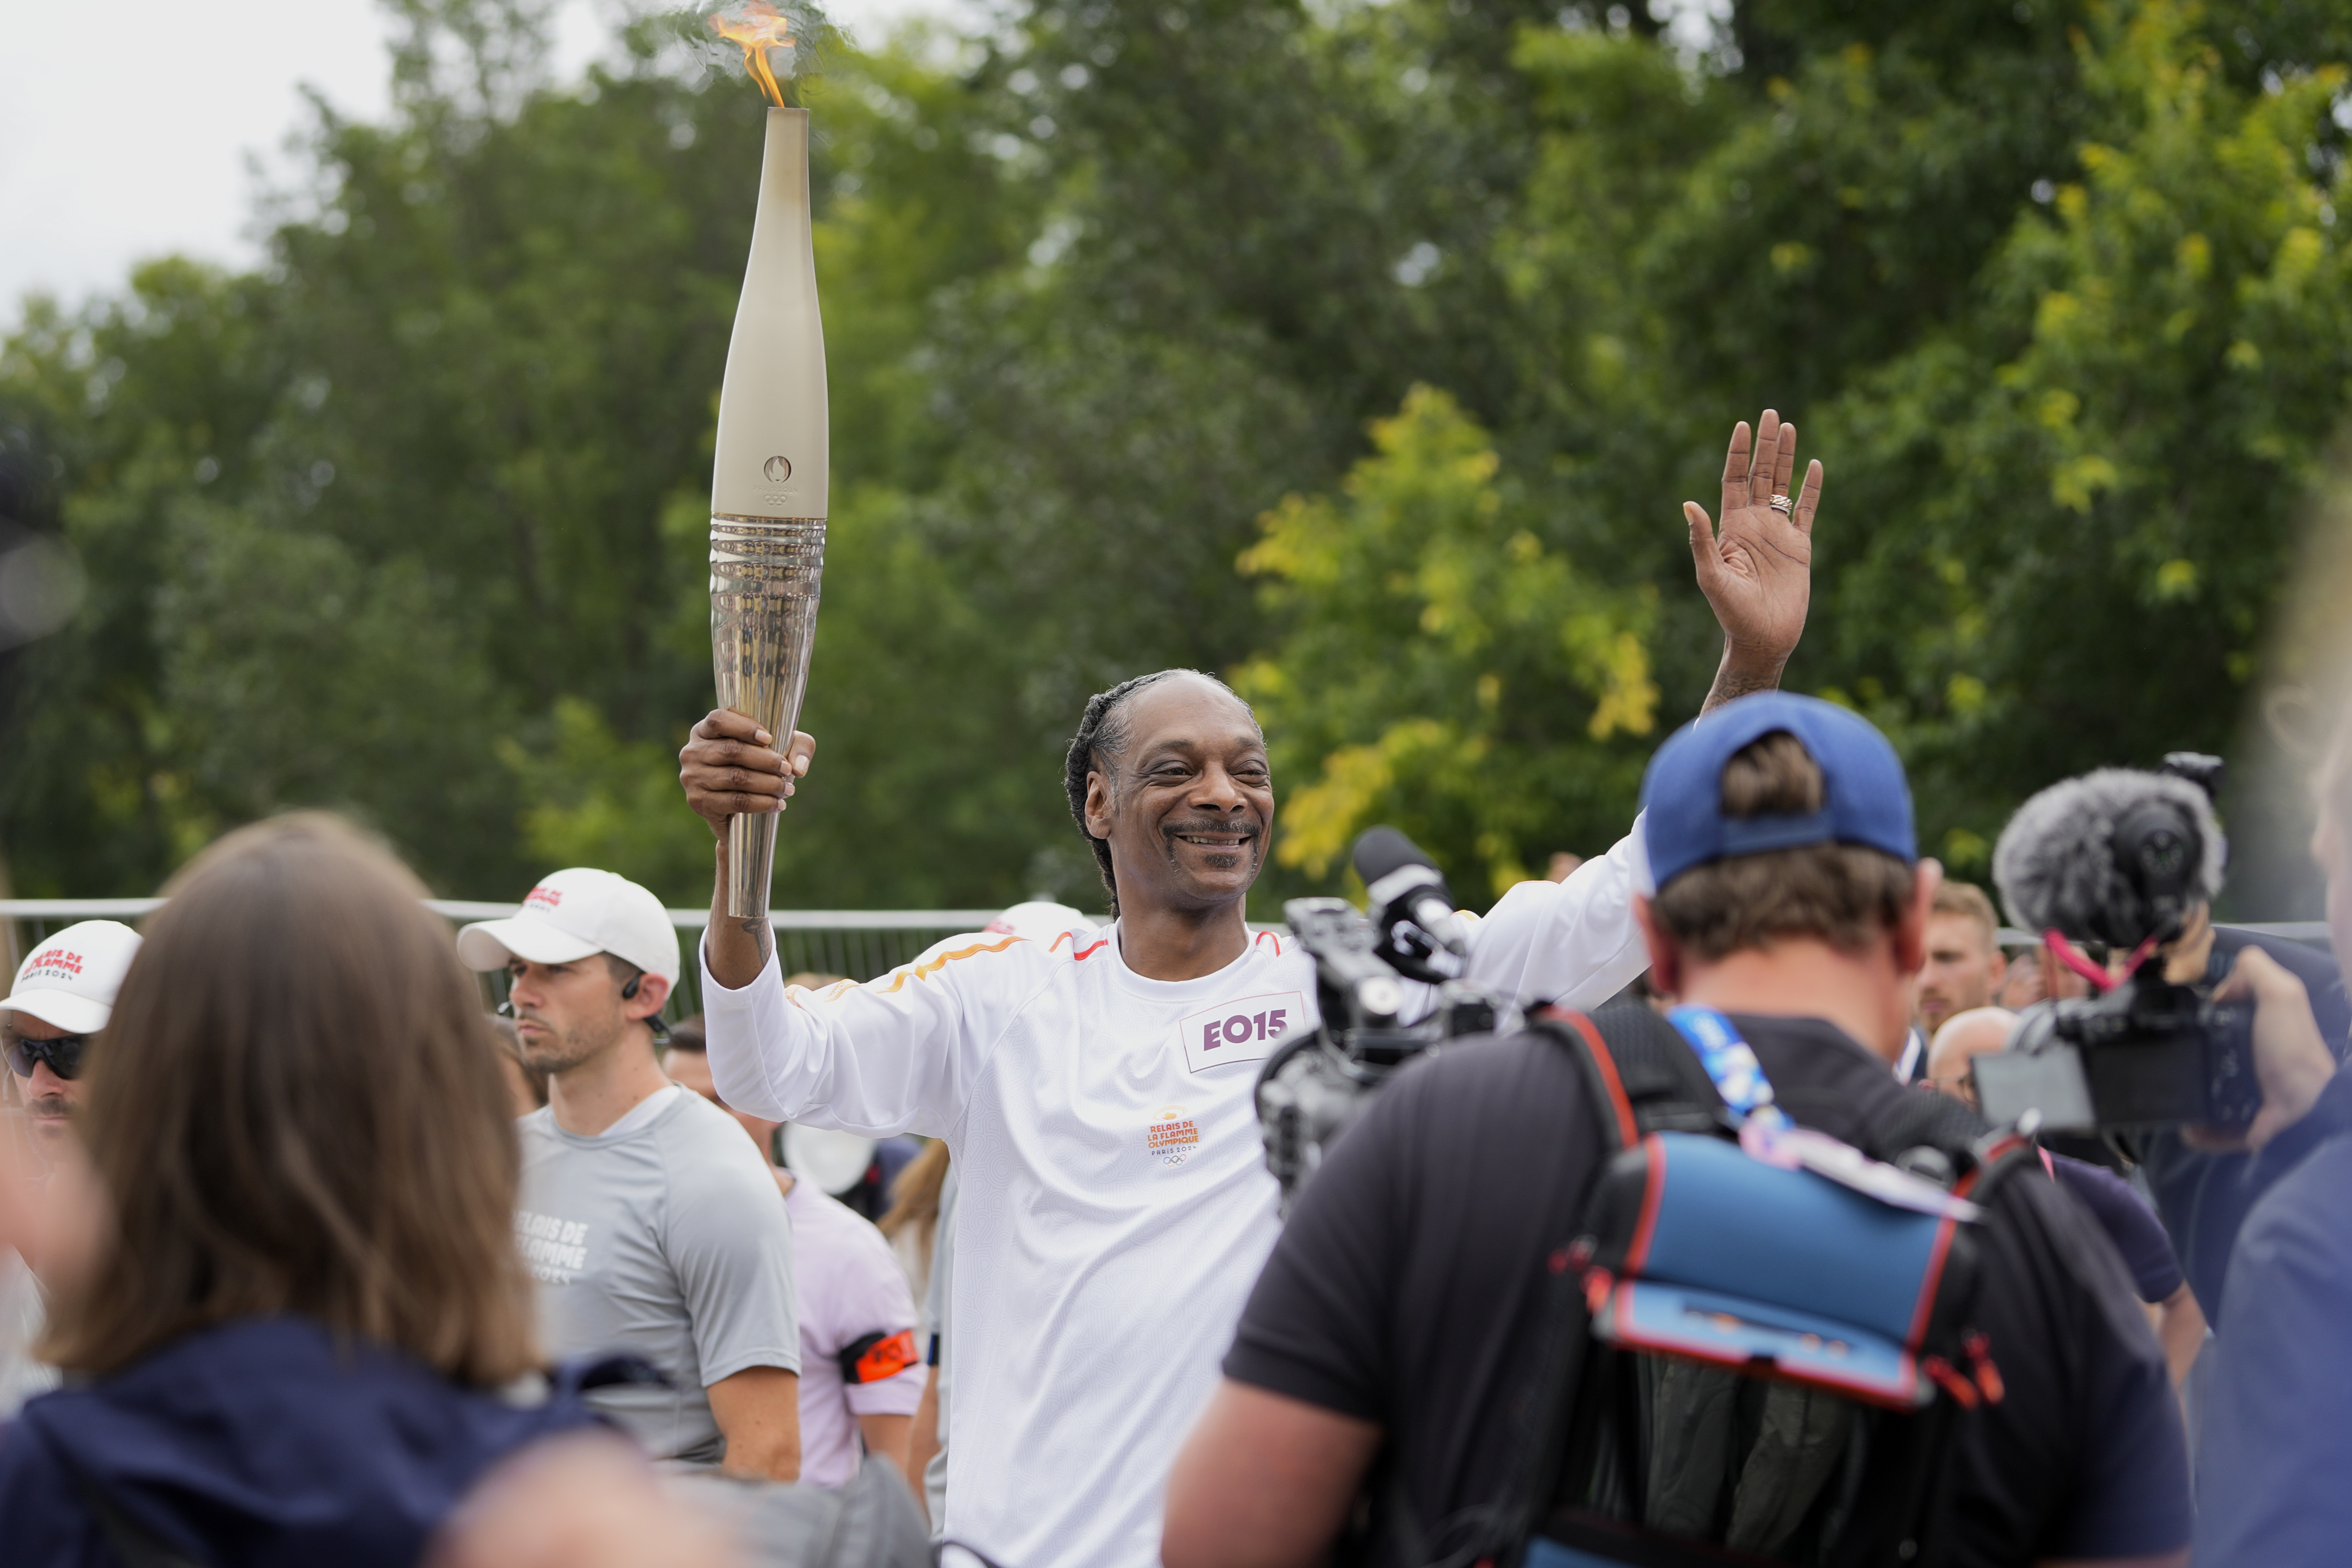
113, 154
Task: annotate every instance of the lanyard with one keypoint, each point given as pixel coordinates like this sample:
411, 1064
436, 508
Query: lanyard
1738, 1076
1767, 1134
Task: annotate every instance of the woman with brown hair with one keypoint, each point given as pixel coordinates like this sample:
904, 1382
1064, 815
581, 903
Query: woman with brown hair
304, 1291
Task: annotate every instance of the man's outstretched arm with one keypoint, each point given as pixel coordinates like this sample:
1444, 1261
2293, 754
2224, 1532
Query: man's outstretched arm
1757, 570
727, 767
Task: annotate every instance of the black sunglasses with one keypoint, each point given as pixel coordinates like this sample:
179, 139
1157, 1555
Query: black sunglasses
63, 1055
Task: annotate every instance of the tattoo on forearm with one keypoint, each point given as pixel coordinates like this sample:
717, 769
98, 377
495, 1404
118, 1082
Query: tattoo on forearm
762, 938
1731, 683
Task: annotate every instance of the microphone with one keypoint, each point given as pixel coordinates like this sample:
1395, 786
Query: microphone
2116, 856
1405, 886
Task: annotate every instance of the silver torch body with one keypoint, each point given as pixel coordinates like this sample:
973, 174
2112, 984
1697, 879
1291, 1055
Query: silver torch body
768, 486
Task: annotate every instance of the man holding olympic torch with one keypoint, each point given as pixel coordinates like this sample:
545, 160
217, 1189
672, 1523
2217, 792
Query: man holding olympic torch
1115, 1206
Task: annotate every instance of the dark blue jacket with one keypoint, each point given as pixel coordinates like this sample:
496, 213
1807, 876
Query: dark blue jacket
2204, 1196
259, 1443
2277, 1422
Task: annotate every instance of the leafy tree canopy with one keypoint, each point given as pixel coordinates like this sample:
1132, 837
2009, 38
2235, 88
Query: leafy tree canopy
1362, 351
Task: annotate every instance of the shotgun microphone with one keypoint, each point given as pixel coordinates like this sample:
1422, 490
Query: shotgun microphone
1410, 905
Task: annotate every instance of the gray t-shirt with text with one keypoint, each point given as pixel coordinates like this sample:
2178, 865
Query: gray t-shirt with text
668, 1241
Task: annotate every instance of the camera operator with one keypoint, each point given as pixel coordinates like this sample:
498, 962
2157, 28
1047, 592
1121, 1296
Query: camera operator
2278, 1410
2057, 867
1394, 1327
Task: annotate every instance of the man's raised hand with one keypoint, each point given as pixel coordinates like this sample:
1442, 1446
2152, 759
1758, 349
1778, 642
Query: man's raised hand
1757, 570
730, 765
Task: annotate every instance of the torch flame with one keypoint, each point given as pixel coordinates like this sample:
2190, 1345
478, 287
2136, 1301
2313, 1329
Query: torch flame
757, 28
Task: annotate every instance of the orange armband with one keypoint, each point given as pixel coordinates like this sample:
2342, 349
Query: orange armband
878, 1356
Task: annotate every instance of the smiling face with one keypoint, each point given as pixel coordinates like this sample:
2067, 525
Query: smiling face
1187, 802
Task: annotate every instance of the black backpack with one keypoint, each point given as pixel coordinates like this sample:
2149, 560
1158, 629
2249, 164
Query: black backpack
1683, 1418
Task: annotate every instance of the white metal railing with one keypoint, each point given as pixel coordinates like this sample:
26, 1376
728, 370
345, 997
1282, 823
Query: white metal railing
859, 943
67, 910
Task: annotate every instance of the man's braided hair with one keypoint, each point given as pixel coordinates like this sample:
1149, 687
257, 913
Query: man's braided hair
1101, 737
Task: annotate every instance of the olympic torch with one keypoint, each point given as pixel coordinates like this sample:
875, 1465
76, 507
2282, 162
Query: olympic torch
768, 483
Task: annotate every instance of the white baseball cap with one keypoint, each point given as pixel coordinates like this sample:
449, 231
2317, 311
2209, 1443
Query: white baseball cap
70, 979
576, 914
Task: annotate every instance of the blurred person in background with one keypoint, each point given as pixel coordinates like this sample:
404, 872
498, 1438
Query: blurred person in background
1965, 965
1564, 864
650, 1227
911, 1222
927, 1445
2202, 1190
63, 996
861, 1366
2277, 1418
2021, 985
581, 1502
2128, 1218
297, 1321
64, 990
525, 1084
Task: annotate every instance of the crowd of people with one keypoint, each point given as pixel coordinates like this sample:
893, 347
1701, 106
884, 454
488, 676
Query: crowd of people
306, 1257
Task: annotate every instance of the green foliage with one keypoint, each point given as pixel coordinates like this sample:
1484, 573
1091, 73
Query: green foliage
411, 520
2122, 438
1442, 670
597, 800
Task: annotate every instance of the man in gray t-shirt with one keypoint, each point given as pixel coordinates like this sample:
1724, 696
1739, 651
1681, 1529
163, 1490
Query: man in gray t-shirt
667, 1240
649, 1221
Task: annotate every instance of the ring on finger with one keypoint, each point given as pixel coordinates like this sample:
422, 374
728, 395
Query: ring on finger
1784, 506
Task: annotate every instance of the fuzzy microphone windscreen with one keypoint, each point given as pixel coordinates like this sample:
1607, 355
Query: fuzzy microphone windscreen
2056, 864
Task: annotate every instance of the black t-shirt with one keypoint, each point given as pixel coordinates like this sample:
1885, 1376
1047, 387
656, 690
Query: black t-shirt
2129, 1223
1409, 1285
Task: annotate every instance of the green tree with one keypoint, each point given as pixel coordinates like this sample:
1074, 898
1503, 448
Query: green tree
1442, 670
2100, 472
411, 521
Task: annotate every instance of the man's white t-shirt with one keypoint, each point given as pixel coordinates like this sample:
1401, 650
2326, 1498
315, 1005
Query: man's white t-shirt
1114, 1207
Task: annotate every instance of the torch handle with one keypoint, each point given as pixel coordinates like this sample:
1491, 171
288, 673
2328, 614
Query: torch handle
765, 576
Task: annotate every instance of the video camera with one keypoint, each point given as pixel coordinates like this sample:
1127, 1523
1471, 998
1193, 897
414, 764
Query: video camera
2120, 859
1318, 1079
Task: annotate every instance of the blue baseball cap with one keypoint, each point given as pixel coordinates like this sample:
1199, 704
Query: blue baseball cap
1865, 800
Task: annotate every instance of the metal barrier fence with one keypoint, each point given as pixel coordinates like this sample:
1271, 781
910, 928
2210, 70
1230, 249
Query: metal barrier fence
859, 943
